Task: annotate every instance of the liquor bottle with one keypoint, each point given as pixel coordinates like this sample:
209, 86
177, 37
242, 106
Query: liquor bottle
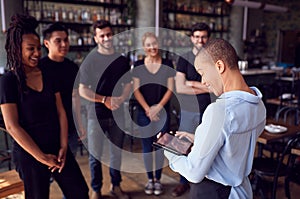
71, 15
56, 14
64, 14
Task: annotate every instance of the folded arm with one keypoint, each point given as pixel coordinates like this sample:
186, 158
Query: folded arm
183, 86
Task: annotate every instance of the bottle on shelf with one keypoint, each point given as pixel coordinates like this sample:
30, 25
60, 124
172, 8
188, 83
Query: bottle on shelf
64, 14
57, 14
70, 15
78, 18
80, 41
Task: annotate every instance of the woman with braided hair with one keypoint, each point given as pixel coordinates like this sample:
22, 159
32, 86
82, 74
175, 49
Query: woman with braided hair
34, 116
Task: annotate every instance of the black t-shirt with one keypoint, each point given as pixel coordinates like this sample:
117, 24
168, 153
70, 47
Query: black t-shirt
153, 86
297, 55
64, 73
105, 75
36, 110
185, 65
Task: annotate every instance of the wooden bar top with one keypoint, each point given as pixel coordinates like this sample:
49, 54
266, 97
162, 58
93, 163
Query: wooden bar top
267, 137
10, 183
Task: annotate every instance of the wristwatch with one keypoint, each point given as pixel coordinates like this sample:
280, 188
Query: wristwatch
103, 99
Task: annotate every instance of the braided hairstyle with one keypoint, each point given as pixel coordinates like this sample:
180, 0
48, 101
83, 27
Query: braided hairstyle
19, 26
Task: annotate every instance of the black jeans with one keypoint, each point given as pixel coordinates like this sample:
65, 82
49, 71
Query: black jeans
36, 177
208, 189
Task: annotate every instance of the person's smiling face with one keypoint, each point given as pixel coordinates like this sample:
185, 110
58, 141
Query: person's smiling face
103, 37
199, 38
151, 46
210, 75
31, 50
58, 43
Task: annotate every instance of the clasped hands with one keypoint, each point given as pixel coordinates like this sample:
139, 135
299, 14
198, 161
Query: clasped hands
153, 112
55, 162
113, 103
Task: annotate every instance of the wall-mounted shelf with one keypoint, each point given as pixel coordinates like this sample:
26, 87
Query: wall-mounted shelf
78, 17
180, 15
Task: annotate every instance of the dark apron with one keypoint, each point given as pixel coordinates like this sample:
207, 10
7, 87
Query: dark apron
208, 189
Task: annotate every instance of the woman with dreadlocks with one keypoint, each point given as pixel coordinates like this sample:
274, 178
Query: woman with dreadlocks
34, 116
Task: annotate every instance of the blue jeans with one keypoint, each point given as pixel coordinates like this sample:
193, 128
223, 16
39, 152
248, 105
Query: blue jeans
189, 121
149, 131
98, 132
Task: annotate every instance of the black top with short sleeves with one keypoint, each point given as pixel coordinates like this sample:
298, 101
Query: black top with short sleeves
153, 86
37, 111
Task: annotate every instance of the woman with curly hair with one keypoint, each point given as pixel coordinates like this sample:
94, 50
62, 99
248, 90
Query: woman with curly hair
34, 116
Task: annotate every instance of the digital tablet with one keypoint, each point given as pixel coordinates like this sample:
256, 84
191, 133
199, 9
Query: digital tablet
173, 144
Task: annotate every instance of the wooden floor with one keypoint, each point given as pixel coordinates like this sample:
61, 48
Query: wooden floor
133, 183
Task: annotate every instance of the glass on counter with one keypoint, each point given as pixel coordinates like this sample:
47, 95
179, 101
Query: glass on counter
243, 65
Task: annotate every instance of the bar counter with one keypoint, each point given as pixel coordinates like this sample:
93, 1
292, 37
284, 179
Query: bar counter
259, 77
258, 72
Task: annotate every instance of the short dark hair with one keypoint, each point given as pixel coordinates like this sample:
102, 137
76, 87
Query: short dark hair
101, 24
52, 28
220, 49
200, 27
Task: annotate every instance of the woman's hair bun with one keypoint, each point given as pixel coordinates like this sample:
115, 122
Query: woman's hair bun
24, 22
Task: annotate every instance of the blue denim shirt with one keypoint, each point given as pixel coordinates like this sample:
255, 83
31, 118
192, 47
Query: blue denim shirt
224, 144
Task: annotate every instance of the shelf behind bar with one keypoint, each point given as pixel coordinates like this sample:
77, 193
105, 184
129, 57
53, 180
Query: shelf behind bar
195, 13
88, 3
81, 23
189, 29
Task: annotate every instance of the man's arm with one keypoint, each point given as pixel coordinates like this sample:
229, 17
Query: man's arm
77, 112
184, 87
207, 143
110, 102
63, 123
88, 94
126, 91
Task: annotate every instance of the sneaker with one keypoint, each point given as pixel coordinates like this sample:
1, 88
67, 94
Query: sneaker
117, 192
149, 187
158, 189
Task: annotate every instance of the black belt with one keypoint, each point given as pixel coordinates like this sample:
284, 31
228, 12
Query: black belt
209, 189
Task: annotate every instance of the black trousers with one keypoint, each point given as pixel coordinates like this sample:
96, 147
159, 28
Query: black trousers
208, 189
36, 177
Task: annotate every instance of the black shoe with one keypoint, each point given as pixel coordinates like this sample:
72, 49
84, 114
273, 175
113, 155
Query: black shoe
180, 190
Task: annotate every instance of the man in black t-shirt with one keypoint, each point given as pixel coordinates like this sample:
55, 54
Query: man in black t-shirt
64, 71
193, 101
103, 82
